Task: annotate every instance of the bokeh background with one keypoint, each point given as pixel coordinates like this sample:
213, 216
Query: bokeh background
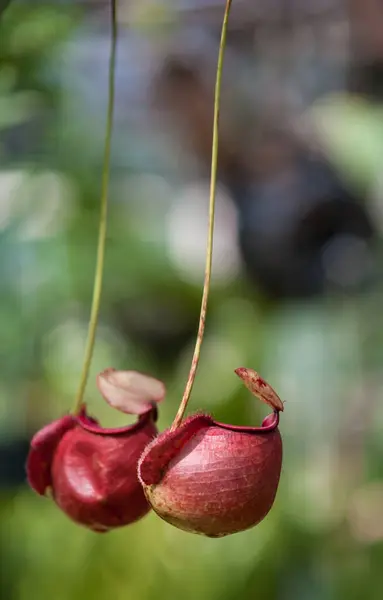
297, 288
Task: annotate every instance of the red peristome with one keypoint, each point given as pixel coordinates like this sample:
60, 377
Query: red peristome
93, 426
211, 478
269, 423
43, 447
166, 447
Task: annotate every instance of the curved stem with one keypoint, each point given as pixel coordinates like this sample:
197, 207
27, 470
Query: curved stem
93, 320
209, 251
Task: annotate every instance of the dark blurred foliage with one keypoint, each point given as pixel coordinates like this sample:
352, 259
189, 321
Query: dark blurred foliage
296, 289
3, 5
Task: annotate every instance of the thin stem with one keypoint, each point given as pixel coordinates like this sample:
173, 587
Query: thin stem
93, 320
209, 251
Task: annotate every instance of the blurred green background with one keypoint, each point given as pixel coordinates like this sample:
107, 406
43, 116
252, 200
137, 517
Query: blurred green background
296, 292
